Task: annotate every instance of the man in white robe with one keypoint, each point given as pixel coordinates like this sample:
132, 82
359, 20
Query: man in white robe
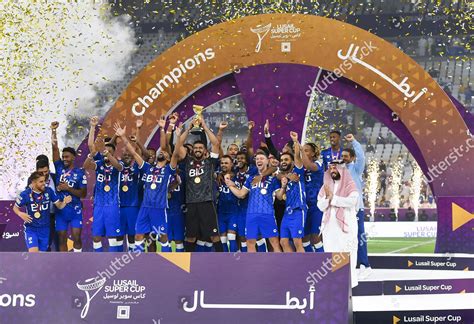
338, 200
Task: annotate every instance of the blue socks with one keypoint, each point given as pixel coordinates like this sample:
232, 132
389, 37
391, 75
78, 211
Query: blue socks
98, 247
307, 247
232, 242
318, 247
180, 247
165, 247
261, 246
225, 247
139, 246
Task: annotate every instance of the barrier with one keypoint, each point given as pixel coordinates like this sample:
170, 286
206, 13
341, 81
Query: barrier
174, 288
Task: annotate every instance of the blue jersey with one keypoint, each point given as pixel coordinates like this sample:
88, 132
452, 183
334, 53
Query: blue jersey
106, 192
241, 178
295, 191
35, 202
129, 185
329, 155
156, 181
313, 183
75, 178
261, 195
227, 202
177, 195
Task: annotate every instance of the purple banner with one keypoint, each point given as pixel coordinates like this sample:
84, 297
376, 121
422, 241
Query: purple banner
428, 316
455, 224
414, 287
431, 287
146, 288
432, 262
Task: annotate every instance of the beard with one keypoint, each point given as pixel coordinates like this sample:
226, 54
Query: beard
160, 158
336, 176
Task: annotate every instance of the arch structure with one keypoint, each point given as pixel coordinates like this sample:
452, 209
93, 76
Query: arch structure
276, 61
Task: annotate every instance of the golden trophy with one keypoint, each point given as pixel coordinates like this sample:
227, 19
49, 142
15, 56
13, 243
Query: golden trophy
197, 129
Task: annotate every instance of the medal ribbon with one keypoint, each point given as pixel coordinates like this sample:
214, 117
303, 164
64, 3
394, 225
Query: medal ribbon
107, 170
155, 174
37, 202
126, 171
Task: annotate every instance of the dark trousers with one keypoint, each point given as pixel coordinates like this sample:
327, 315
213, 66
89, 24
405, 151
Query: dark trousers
362, 257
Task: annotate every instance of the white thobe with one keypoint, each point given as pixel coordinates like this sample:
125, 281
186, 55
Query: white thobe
334, 239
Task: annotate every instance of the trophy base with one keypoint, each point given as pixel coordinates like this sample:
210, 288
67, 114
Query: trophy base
197, 131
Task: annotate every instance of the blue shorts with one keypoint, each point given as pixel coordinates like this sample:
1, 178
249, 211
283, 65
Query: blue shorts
260, 225
152, 220
37, 237
313, 220
227, 222
106, 221
241, 220
128, 219
292, 225
69, 215
175, 224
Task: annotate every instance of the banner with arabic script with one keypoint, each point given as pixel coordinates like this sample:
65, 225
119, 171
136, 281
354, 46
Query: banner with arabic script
174, 288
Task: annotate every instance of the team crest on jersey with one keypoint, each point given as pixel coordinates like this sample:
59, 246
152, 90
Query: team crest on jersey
46, 195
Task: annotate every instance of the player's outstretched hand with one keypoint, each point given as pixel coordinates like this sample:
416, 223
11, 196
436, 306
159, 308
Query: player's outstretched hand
162, 122
251, 125
27, 218
349, 137
223, 125
139, 123
94, 121
294, 136
256, 180
119, 131
266, 127
294, 177
67, 199
54, 125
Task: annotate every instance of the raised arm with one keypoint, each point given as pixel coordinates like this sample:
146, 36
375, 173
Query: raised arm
212, 138
220, 134
139, 124
115, 163
297, 146
179, 145
249, 140
54, 141
121, 132
94, 121
268, 140
359, 163
89, 163
163, 140
173, 119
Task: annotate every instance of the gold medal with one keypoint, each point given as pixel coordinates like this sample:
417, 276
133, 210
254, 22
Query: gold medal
284, 196
169, 195
107, 188
37, 215
263, 191
125, 188
153, 186
197, 180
